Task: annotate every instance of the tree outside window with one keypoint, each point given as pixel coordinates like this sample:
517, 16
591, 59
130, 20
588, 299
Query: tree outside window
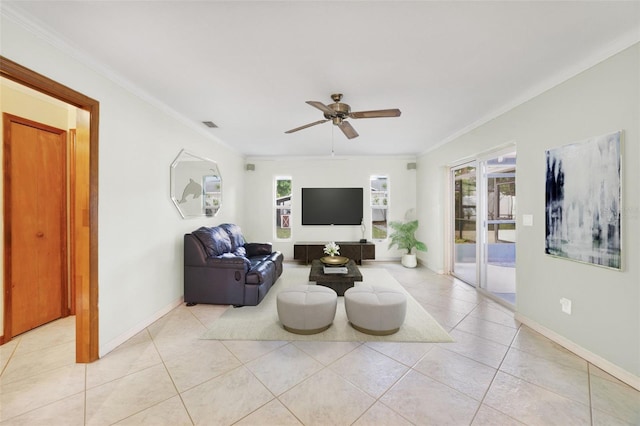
379, 206
283, 208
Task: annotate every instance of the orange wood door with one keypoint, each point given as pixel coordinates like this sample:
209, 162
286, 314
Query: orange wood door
37, 187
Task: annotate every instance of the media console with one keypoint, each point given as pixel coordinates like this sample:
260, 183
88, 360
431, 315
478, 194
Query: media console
307, 251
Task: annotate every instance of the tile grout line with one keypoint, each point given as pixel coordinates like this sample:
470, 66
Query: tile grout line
11, 356
179, 394
438, 345
486, 392
538, 385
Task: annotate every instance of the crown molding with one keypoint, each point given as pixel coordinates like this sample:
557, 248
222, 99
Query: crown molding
622, 43
45, 33
329, 157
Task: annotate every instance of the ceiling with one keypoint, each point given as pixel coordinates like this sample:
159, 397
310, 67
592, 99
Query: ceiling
250, 66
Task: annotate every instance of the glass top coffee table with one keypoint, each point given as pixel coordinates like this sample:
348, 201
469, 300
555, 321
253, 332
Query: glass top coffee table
339, 282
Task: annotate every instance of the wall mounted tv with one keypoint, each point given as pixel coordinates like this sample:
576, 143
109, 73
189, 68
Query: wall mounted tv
332, 206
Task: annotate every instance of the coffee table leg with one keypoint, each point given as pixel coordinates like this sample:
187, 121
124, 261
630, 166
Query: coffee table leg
340, 287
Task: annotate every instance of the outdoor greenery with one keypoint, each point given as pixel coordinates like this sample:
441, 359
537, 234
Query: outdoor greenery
283, 233
283, 188
403, 236
378, 233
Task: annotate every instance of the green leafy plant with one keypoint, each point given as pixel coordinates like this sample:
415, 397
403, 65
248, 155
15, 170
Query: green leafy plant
403, 236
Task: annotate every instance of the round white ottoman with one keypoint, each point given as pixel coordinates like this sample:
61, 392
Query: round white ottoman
307, 309
375, 310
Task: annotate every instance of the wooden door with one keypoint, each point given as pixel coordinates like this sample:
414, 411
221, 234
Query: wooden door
35, 224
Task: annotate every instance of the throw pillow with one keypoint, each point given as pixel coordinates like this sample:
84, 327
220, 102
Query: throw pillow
257, 249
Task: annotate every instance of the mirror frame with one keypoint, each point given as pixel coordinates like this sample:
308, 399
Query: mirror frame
196, 185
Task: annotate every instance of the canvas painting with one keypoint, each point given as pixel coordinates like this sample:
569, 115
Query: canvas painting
583, 196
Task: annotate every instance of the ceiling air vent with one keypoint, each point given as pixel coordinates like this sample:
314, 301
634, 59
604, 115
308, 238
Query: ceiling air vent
210, 124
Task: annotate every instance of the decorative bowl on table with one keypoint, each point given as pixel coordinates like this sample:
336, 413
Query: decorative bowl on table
334, 260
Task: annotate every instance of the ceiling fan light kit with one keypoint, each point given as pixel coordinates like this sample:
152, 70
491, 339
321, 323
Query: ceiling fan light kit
338, 112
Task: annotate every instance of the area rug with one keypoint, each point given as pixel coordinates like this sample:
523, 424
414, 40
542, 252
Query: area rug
261, 322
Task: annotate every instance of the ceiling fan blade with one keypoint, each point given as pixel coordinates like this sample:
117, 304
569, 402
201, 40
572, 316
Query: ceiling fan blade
376, 113
348, 131
306, 125
322, 107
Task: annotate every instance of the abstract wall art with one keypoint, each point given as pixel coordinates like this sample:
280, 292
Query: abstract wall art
583, 196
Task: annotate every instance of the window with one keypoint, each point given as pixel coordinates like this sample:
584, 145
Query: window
283, 208
379, 206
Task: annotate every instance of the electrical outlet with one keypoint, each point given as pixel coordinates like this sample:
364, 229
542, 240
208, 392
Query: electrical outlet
566, 305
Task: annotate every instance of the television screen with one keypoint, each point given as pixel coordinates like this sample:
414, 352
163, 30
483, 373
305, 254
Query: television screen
332, 206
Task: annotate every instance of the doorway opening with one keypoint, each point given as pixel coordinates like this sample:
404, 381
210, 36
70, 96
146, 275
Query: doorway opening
465, 218
84, 224
498, 266
484, 224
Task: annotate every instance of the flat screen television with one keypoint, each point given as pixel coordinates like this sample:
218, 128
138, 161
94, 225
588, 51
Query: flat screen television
332, 206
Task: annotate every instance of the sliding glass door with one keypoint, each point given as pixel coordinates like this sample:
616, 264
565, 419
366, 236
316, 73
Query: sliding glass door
484, 224
498, 266
465, 223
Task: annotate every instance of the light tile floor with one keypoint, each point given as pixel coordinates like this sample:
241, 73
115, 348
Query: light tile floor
496, 373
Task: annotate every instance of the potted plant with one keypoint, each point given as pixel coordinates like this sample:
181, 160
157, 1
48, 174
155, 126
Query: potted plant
403, 236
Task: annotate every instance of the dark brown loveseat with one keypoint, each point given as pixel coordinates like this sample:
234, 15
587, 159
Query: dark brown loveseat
221, 268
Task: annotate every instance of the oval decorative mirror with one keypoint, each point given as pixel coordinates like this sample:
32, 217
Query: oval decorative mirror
196, 185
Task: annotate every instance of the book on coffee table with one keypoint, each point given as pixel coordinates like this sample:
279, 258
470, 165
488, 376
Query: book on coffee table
335, 270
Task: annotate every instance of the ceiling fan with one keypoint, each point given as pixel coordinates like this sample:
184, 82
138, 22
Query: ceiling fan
338, 112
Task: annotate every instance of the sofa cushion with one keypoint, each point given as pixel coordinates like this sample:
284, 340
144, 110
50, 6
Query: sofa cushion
257, 260
235, 235
247, 263
260, 272
215, 240
277, 258
258, 249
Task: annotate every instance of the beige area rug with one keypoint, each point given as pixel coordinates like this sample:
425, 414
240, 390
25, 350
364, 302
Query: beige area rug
261, 322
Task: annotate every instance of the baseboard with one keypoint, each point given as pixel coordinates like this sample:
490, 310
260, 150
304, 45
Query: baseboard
426, 265
109, 346
617, 372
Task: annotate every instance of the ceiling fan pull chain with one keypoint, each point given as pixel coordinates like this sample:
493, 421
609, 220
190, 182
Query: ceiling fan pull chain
332, 152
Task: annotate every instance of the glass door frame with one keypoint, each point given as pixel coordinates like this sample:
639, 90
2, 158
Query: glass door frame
482, 220
452, 228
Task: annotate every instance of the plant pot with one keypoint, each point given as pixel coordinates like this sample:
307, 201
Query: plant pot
409, 261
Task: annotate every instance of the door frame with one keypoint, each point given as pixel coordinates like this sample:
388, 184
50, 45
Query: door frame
86, 296
483, 223
479, 162
468, 162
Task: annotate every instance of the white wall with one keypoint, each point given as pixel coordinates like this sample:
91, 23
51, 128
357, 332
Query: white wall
328, 172
140, 231
606, 303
